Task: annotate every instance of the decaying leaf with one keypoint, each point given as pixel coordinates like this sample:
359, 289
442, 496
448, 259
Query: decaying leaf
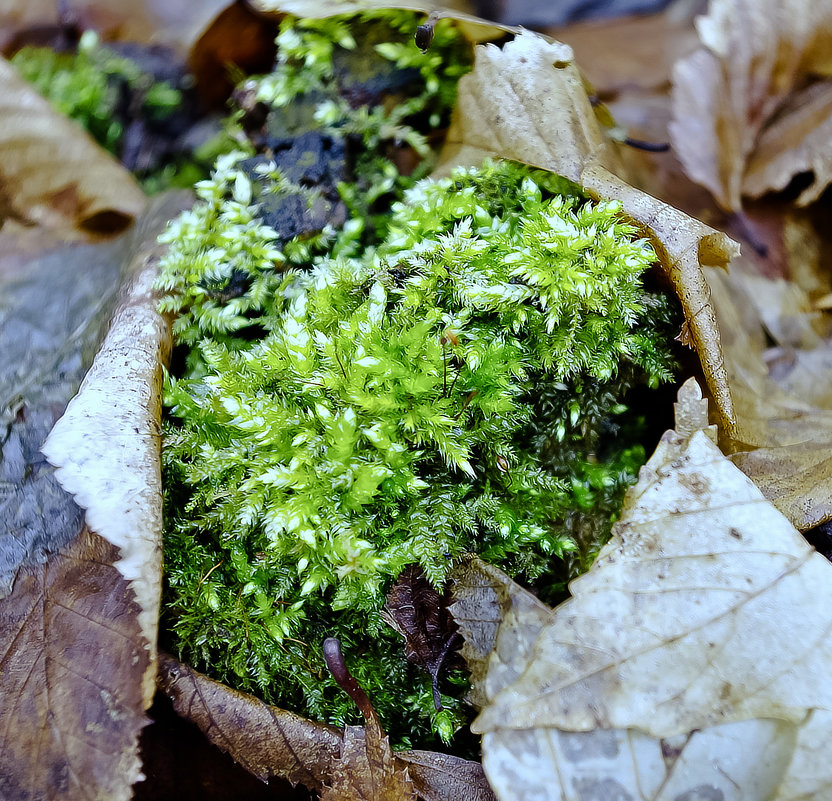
265, 740
71, 661
420, 614
691, 662
744, 120
271, 742
366, 769
74, 662
783, 397
527, 102
106, 446
52, 173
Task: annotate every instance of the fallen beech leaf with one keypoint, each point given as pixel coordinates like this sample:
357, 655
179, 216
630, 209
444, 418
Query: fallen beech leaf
267, 741
71, 666
270, 742
528, 102
738, 128
52, 173
692, 660
420, 614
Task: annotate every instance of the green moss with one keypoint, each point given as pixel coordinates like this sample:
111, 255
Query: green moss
373, 396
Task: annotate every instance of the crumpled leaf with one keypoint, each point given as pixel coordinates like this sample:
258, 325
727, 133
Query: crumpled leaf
527, 102
366, 769
783, 396
420, 614
271, 742
691, 662
744, 120
52, 173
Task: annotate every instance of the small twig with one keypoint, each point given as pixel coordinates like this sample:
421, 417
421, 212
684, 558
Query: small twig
650, 147
337, 667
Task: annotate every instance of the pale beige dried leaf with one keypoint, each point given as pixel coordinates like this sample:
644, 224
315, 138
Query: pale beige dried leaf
754, 54
106, 446
782, 398
798, 141
693, 655
475, 28
52, 173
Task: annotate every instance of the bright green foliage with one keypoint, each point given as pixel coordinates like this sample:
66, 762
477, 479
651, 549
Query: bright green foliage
386, 417
85, 86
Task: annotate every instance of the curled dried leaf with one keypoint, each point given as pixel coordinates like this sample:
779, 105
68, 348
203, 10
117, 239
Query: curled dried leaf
52, 173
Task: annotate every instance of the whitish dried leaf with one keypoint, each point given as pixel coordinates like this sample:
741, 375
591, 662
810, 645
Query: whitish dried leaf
52, 173
692, 660
734, 105
106, 446
267, 741
527, 102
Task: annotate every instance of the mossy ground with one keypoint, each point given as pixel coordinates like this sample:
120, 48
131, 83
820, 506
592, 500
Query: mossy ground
376, 371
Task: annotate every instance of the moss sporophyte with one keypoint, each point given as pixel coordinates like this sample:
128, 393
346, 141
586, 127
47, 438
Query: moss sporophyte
380, 383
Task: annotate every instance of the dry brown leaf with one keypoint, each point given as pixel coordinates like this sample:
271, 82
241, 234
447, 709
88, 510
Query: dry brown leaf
71, 662
77, 631
420, 614
52, 173
265, 740
271, 742
692, 660
528, 102
732, 105
175, 24
442, 777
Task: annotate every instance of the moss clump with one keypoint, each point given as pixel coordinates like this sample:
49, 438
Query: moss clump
364, 396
